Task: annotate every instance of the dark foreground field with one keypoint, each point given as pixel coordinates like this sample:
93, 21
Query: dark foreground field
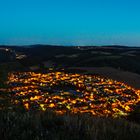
48, 126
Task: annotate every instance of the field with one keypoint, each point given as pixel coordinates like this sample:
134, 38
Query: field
49, 126
129, 78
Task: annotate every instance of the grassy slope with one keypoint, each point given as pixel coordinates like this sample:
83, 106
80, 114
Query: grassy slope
48, 126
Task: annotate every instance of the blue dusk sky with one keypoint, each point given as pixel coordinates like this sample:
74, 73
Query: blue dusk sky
70, 22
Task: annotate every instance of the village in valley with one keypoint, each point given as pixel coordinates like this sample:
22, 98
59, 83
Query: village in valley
74, 93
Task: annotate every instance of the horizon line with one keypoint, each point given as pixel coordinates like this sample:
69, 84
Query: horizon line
43, 44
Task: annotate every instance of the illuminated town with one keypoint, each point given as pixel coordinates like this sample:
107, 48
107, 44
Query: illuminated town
72, 93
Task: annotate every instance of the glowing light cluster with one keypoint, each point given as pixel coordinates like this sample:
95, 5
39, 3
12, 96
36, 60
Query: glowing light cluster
73, 93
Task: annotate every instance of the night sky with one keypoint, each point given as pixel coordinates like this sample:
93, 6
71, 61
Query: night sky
70, 22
